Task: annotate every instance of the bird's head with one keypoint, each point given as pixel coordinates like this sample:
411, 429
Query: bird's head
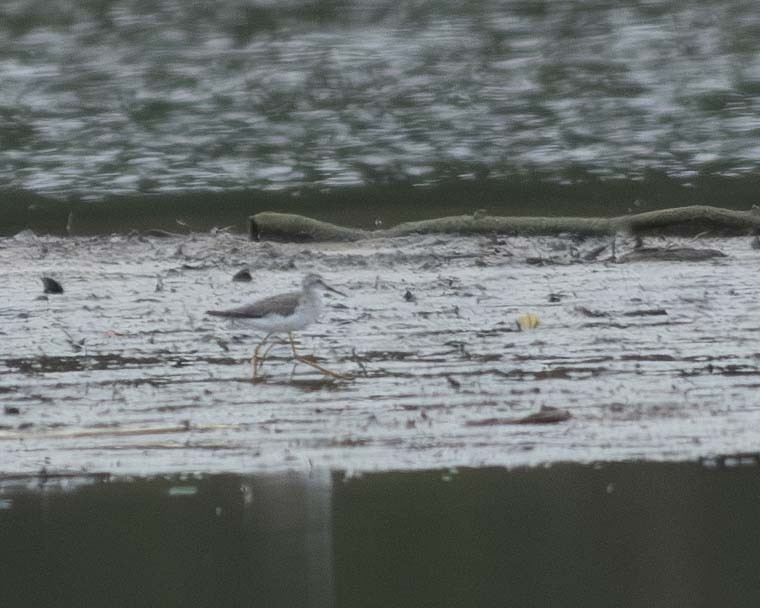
315, 281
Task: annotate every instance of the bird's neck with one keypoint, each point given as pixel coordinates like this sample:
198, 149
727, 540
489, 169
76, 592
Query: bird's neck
312, 297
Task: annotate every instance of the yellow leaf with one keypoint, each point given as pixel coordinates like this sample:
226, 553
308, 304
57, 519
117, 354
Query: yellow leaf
529, 321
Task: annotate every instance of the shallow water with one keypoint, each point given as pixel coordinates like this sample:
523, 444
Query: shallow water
124, 374
614, 534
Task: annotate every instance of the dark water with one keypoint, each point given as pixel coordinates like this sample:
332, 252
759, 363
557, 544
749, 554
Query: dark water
617, 535
566, 106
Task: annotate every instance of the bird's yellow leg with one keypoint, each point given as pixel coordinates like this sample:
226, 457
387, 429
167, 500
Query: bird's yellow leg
266, 353
257, 361
311, 363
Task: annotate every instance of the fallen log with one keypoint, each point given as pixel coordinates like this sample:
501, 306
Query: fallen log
291, 227
672, 254
681, 221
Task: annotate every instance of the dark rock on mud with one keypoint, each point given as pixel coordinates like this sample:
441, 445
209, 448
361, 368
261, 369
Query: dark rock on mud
51, 285
242, 276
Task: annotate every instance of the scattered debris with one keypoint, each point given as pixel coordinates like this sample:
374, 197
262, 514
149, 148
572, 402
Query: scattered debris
159, 234
546, 415
51, 285
76, 345
355, 358
646, 312
542, 261
587, 312
453, 382
11, 411
409, 296
216, 230
590, 256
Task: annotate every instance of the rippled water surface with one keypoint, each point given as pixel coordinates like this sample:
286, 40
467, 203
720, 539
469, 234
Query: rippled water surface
105, 97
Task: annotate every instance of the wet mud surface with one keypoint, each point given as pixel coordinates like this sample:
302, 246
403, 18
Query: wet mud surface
123, 373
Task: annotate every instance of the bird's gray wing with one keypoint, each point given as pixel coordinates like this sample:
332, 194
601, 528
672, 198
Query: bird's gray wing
282, 304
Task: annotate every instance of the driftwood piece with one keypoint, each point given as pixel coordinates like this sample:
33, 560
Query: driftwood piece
546, 415
670, 254
691, 220
290, 227
468, 224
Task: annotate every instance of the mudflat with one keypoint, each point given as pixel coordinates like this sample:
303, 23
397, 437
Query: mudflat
649, 357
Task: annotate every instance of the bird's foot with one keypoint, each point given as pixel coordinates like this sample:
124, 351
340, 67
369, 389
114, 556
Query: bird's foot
311, 361
256, 364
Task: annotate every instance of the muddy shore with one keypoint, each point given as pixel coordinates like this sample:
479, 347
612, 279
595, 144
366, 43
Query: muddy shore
124, 374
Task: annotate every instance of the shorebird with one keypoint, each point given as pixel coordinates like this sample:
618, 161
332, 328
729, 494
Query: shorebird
283, 313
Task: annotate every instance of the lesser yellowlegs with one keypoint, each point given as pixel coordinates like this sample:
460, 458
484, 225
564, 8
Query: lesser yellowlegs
283, 313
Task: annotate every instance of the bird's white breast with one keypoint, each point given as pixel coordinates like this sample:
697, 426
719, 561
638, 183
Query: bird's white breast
307, 312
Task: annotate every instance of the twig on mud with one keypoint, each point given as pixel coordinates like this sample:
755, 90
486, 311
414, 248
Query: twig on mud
546, 415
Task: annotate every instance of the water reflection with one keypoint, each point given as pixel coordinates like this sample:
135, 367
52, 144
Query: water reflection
625, 534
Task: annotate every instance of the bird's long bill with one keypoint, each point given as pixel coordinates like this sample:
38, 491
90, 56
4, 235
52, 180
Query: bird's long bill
326, 286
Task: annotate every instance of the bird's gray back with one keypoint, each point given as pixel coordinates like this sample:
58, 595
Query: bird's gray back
282, 304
